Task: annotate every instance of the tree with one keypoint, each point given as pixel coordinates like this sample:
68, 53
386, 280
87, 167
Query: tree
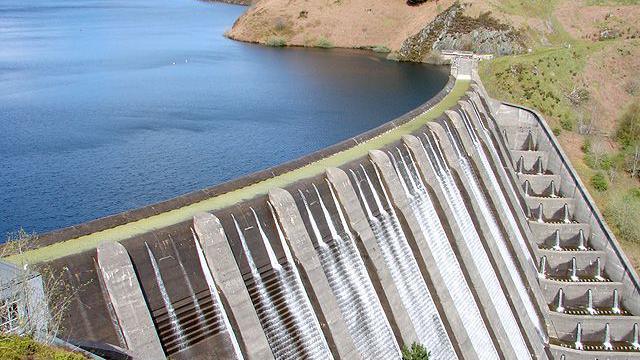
415, 352
599, 182
628, 134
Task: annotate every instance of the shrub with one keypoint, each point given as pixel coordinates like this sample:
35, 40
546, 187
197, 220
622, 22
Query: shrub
557, 131
632, 87
586, 146
579, 96
415, 352
324, 43
281, 25
628, 132
621, 212
58, 295
381, 49
276, 41
566, 124
599, 182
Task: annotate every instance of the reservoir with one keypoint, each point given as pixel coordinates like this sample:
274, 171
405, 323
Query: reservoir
110, 105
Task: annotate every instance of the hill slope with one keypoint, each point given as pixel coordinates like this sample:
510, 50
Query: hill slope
583, 74
339, 23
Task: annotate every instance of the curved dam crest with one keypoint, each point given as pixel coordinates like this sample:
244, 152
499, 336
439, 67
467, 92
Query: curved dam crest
460, 226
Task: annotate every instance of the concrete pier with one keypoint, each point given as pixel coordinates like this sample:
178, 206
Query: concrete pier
377, 269
313, 276
128, 301
233, 292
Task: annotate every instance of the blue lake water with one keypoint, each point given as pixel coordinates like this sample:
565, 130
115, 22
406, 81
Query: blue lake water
109, 105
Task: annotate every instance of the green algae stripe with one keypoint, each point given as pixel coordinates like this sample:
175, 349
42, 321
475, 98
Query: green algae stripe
126, 231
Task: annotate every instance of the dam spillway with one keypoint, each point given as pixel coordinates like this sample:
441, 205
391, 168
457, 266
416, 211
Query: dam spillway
470, 234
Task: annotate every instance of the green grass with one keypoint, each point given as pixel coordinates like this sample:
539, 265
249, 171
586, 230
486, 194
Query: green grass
529, 8
126, 231
276, 41
541, 79
18, 348
613, 2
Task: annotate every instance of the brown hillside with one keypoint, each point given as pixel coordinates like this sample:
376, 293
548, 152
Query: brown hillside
340, 23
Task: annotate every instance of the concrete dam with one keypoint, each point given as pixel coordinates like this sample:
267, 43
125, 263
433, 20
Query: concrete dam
460, 226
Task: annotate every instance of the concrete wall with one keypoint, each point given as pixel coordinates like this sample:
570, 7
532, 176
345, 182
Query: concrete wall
128, 302
128, 309
227, 277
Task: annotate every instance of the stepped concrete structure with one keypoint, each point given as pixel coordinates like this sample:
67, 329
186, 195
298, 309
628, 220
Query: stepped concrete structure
460, 225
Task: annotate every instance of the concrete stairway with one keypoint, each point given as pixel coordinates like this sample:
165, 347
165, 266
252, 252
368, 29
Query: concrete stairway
586, 306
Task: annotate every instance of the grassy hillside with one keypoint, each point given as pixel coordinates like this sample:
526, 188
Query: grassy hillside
583, 73
18, 348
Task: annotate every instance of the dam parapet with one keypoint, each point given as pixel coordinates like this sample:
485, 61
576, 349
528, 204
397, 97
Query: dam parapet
463, 228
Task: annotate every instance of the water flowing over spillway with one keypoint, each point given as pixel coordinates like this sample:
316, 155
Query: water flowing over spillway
481, 258
399, 258
489, 216
173, 318
352, 287
297, 335
463, 299
202, 321
485, 162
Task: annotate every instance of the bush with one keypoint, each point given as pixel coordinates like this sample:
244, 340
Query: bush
586, 146
566, 124
622, 213
381, 49
628, 133
599, 182
632, 87
276, 41
415, 352
579, 96
324, 43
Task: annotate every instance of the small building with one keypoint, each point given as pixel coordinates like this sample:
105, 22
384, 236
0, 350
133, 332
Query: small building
23, 306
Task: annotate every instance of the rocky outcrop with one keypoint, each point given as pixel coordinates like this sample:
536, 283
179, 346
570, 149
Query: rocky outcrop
453, 30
